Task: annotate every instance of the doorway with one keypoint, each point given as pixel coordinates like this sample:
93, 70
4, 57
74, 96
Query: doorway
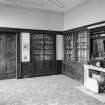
8, 60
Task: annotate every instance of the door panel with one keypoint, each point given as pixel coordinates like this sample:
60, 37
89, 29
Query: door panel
11, 54
7, 55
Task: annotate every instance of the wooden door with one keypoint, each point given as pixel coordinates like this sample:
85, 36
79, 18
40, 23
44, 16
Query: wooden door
43, 54
11, 55
7, 55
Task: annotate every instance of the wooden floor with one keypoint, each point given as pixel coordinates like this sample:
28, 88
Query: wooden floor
46, 90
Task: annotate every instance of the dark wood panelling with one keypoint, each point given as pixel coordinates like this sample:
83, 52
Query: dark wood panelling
22, 70
8, 29
58, 69
74, 70
18, 57
44, 68
25, 69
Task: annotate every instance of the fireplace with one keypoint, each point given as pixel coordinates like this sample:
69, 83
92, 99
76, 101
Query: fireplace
94, 78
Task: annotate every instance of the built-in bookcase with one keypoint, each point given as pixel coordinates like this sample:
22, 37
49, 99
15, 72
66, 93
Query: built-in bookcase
76, 53
76, 47
43, 53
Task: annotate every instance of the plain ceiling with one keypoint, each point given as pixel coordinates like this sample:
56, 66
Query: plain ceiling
49, 5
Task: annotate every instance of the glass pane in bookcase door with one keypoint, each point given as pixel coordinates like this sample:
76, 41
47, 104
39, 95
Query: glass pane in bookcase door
85, 53
35, 47
36, 57
44, 52
44, 47
35, 38
49, 58
41, 58
78, 58
72, 52
72, 59
51, 42
82, 53
79, 53
79, 35
78, 40
35, 52
50, 47
82, 34
66, 38
85, 34
40, 46
48, 43
66, 53
82, 45
85, 59
81, 40
48, 52
71, 44
72, 56
51, 52
41, 52
85, 39
49, 38
38, 37
82, 59
78, 45
45, 57
85, 45
41, 36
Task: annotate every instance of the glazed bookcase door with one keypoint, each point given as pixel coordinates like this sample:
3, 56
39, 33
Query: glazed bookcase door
43, 53
82, 47
69, 47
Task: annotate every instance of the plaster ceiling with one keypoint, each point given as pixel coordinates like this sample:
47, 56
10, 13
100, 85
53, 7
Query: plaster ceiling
50, 5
